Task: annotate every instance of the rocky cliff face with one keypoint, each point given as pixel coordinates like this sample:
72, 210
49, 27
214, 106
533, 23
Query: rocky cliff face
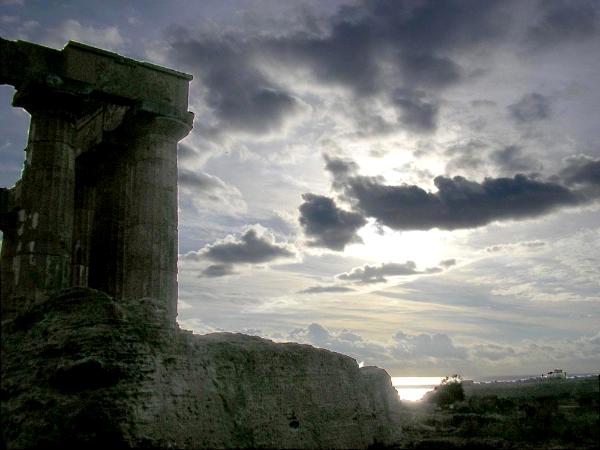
84, 370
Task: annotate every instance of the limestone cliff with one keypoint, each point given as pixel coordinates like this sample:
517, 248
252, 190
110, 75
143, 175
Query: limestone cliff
82, 369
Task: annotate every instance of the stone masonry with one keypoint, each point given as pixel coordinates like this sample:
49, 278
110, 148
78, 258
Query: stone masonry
90, 352
96, 205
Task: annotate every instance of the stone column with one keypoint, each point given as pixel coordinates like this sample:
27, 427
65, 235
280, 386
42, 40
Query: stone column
38, 255
149, 208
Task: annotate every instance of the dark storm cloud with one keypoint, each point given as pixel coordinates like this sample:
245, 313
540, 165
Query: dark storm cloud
417, 113
458, 202
415, 38
563, 20
340, 169
377, 274
581, 169
429, 70
326, 225
510, 159
241, 96
217, 270
325, 289
250, 248
386, 48
530, 108
253, 247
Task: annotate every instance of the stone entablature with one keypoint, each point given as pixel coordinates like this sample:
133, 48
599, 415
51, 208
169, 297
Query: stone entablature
96, 205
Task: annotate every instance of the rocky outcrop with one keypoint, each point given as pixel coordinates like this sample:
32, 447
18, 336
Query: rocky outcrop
82, 369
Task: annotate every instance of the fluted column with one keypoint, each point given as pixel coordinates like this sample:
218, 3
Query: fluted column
38, 255
148, 205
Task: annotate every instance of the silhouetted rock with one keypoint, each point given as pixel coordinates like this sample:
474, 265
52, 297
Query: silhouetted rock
82, 369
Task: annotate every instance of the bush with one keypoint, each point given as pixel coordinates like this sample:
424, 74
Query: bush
448, 392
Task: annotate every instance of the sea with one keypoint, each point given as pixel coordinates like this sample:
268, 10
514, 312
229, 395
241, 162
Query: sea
414, 388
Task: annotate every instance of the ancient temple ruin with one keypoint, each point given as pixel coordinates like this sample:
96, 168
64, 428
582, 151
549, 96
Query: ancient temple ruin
96, 205
92, 356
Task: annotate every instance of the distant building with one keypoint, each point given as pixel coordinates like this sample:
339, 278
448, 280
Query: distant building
556, 373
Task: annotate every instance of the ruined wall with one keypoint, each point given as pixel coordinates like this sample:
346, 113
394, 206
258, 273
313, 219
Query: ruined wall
82, 369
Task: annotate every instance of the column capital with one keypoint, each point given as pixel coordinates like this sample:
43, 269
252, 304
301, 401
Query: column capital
143, 123
38, 98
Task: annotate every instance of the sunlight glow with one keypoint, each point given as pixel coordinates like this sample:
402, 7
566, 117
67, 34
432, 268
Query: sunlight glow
416, 381
414, 388
425, 248
412, 394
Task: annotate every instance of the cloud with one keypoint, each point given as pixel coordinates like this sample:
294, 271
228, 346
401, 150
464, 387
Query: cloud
581, 169
12, 2
240, 95
340, 169
104, 37
368, 38
493, 352
430, 70
458, 202
422, 345
386, 49
255, 246
527, 245
562, 21
465, 156
208, 192
403, 351
530, 108
326, 225
510, 159
417, 113
217, 270
325, 289
377, 274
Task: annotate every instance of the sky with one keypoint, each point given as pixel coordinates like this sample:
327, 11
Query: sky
415, 184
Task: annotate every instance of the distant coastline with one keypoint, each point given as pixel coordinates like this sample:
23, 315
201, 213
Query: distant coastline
525, 378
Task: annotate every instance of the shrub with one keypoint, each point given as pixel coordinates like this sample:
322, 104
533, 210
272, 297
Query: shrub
448, 392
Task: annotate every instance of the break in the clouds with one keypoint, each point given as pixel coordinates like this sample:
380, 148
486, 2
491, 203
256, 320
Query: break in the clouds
326, 225
378, 274
256, 246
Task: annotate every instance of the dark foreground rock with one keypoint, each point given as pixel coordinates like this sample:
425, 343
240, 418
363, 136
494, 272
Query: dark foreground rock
84, 370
